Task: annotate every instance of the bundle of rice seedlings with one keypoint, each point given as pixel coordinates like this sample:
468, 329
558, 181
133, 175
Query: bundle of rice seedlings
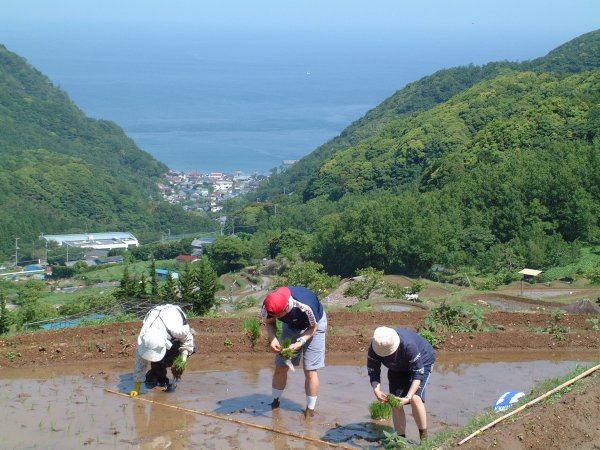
394, 402
380, 410
178, 367
287, 353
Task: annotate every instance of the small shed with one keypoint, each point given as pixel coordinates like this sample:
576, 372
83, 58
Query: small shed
163, 274
528, 275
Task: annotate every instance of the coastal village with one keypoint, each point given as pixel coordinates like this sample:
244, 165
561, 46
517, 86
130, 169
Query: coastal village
195, 191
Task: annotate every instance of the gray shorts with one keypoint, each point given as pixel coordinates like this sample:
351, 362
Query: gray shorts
313, 352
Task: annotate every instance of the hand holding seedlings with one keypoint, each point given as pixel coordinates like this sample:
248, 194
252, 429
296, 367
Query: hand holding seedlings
287, 353
179, 366
395, 402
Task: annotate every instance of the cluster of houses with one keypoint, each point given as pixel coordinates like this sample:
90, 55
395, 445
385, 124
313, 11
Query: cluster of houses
196, 191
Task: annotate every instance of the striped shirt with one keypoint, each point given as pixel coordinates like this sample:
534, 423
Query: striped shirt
306, 309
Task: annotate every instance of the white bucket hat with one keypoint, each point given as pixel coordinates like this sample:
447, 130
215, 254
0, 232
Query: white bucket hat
385, 341
153, 344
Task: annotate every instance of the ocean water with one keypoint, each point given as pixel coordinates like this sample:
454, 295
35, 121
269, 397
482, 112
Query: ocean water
214, 101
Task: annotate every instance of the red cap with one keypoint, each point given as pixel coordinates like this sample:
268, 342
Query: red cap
277, 301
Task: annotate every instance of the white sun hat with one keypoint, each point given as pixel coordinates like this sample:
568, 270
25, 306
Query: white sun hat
153, 344
385, 341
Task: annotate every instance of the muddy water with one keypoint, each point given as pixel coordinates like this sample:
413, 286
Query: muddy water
69, 408
396, 307
501, 304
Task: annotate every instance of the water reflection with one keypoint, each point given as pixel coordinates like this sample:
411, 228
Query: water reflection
71, 409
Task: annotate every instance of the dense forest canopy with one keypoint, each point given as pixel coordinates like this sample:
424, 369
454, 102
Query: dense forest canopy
63, 172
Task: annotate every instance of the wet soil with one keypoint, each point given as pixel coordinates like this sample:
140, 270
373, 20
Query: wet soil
223, 404
110, 350
349, 332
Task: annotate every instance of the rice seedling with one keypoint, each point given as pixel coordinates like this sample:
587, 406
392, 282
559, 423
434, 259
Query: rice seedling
380, 410
394, 401
287, 353
252, 327
178, 367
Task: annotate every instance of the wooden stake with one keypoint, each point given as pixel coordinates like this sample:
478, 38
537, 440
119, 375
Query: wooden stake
532, 402
229, 419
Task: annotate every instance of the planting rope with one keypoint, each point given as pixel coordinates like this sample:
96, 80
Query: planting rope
228, 419
521, 408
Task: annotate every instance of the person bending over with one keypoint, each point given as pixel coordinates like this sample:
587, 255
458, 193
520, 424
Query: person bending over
165, 334
409, 358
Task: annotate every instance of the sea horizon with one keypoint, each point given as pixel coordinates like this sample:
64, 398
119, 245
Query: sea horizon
217, 101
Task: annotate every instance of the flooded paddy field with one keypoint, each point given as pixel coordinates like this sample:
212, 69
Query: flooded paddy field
68, 406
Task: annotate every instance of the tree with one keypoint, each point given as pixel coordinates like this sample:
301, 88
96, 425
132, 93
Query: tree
142, 291
228, 254
187, 284
207, 282
128, 288
311, 275
371, 281
154, 288
4, 315
170, 291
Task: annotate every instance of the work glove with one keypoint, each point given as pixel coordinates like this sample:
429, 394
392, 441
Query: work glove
136, 390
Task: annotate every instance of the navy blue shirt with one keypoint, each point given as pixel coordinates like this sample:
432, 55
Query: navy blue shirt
306, 310
414, 353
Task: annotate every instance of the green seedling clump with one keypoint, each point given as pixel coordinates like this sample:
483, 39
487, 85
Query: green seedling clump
286, 352
394, 402
380, 410
179, 367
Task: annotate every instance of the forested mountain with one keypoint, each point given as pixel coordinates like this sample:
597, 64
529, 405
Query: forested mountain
580, 54
493, 167
63, 172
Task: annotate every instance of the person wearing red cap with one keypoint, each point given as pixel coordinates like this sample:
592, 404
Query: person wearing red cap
305, 323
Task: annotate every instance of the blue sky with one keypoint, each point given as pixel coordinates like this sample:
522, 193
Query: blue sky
485, 30
313, 14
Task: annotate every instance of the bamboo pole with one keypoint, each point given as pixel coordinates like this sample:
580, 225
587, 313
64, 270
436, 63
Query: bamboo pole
229, 419
532, 402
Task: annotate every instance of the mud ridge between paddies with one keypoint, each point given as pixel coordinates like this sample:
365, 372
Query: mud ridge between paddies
349, 332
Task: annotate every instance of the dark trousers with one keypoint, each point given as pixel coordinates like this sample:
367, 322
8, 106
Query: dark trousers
158, 369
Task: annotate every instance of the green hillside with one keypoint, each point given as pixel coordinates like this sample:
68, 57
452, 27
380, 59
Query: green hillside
61, 171
493, 168
580, 54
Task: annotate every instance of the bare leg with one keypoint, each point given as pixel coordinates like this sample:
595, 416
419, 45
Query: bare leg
311, 383
280, 377
419, 412
399, 419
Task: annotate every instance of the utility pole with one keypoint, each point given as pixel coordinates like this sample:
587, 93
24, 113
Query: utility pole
16, 251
